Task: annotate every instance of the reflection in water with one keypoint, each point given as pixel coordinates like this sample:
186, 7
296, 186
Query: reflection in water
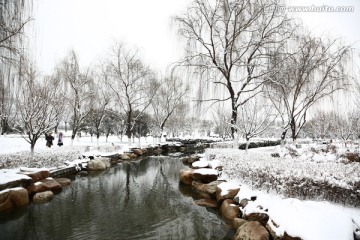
134, 200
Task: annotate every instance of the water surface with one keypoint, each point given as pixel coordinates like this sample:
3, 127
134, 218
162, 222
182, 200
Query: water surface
134, 200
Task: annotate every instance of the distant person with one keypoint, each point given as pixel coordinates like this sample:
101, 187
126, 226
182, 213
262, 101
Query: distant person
60, 139
49, 139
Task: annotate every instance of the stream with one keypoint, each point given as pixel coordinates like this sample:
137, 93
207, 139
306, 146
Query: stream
131, 200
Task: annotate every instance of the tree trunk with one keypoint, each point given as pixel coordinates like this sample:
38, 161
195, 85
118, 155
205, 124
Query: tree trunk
73, 134
247, 144
236, 141
233, 120
128, 130
107, 136
97, 138
4, 126
32, 147
283, 136
293, 129
56, 128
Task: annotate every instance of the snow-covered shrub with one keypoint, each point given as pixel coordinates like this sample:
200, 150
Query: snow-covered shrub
44, 158
310, 176
260, 144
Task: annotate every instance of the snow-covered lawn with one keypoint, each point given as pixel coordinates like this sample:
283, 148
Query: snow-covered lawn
15, 151
277, 181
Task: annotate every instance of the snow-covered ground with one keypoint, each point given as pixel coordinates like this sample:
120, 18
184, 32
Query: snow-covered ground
308, 219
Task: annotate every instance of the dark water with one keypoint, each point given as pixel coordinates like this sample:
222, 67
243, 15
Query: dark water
137, 200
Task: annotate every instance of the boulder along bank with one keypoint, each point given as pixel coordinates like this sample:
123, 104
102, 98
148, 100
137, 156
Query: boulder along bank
205, 178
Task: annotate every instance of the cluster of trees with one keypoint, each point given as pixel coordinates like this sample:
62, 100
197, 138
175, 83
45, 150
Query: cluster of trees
260, 65
340, 124
120, 95
260, 70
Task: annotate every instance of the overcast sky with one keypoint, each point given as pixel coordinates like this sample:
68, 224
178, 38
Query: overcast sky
91, 26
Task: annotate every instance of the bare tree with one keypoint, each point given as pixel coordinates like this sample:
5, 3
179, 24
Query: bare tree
102, 99
131, 84
228, 46
176, 124
321, 124
311, 69
38, 103
256, 116
79, 96
169, 97
222, 126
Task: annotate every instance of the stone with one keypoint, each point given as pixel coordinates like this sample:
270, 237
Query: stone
229, 210
275, 155
229, 193
207, 203
244, 202
209, 188
38, 175
183, 149
98, 164
157, 151
48, 184
190, 159
124, 157
138, 152
288, 237
131, 155
262, 218
200, 164
251, 231
83, 173
272, 232
238, 222
13, 197
63, 181
43, 197
205, 175
186, 176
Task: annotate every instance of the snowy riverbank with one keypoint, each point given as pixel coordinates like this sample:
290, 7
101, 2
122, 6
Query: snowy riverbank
308, 219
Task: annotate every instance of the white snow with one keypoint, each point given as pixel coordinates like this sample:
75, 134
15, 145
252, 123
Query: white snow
14, 189
202, 163
227, 186
206, 171
10, 175
308, 219
214, 164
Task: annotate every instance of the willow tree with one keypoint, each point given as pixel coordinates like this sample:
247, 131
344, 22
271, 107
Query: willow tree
311, 70
79, 95
14, 16
256, 116
132, 83
39, 104
169, 97
228, 44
